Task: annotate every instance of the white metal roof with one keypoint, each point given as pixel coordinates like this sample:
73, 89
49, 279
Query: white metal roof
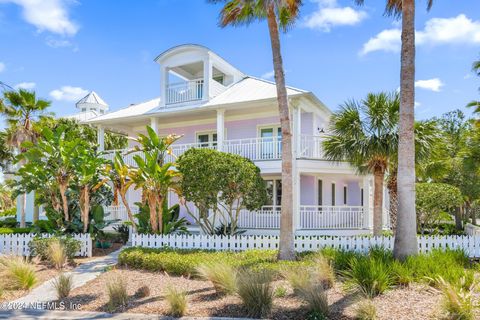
82, 116
131, 111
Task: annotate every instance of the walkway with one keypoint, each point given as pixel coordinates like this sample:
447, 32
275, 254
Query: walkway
81, 275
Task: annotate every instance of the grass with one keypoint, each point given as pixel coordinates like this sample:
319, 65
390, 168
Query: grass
256, 292
177, 301
17, 273
316, 298
458, 302
366, 310
368, 275
223, 277
63, 285
280, 292
57, 255
117, 292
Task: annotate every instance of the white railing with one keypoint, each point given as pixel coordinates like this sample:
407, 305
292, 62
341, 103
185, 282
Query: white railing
268, 217
17, 244
333, 217
469, 244
184, 91
255, 148
310, 147
119, 212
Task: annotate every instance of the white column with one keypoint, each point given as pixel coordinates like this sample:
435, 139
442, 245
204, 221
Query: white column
220, 129
154, 124
296, 129
101, 138
163, 85
207, 76
296, 196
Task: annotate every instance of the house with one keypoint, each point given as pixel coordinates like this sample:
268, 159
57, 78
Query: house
212, 104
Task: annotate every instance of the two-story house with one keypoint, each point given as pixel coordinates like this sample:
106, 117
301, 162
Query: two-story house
215, 105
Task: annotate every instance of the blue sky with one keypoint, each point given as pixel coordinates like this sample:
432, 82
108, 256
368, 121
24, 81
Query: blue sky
64, 48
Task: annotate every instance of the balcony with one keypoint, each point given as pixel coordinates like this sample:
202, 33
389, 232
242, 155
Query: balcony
255, 149
185, 91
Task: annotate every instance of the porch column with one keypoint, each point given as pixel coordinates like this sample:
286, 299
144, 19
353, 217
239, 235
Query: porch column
154, 124
163, 85
368, 201
220, 128
101, 138
296, 127
296, 197
207, 75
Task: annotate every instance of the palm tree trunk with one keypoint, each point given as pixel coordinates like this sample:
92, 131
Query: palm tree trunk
458, 218
86, 208
378, 177
152, 203
286, 245
63, 190
405, 235
129, 211
392, 199
160, 214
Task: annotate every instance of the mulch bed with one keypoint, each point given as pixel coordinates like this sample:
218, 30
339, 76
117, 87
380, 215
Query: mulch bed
415, 302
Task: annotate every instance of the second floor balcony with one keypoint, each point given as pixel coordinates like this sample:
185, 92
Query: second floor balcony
185, 91
255, 149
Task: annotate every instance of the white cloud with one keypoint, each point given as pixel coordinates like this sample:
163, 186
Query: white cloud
25, 85
434, 84
68, 93
47, 15
417, 104
467, 76
329, 15
268, 75
437, 31
2, 67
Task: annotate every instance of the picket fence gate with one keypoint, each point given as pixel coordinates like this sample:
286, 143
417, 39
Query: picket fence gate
469, 244
17, 244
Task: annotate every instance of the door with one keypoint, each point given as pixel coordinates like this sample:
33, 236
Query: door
207, 140
271, 146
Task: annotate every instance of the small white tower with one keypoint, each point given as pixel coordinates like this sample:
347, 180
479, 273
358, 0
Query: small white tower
92, 102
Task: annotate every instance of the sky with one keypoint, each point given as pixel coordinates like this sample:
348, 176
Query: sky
64, 48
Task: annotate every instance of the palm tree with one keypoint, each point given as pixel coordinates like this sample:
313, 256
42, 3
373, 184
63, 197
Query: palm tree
405, 234
21, 109
279, 14
365, 134
476, 104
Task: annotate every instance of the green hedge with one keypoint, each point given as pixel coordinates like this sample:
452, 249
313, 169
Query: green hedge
10, 222
184, 262
39, 247
14, 230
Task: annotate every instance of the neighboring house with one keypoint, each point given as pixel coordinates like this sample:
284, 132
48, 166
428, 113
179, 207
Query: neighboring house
214, 105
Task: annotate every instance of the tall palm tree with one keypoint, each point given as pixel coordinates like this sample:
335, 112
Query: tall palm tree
365, 134
21, 109
280, 15
405, 234
476, 104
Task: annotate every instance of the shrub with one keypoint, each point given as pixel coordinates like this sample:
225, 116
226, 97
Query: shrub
177, 301
7, 230
63, 285
223, 277
366, 310
280, 292
458, 302
323, 272
117, 292
57, 256
255, 291
17, 273
340, 259
401, 274
142, 292
40, 247
369, 276
316, 298
297, 277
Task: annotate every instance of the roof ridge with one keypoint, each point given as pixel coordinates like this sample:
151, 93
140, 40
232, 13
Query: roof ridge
274, 83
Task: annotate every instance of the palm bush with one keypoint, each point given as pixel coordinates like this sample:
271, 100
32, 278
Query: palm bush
223, 277
177, 301
63, 285
117, 292
256, 292
458, 302
17, 273
366, 310
57, 255
370, 276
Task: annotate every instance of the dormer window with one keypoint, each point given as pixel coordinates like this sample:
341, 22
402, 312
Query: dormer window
84, 109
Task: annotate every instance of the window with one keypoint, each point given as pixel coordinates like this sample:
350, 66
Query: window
320, 192
218, 78
271, 142
274, 192
333, 194
84, 109
361, 197
207, 139
345, 195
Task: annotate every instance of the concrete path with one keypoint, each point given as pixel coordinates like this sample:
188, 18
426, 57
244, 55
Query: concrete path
81, 275
77, 315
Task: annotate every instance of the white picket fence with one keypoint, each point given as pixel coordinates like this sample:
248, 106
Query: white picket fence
470, 244
17, 244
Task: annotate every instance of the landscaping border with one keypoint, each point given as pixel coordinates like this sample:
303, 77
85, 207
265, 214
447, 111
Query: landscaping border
17, 244
469, 244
